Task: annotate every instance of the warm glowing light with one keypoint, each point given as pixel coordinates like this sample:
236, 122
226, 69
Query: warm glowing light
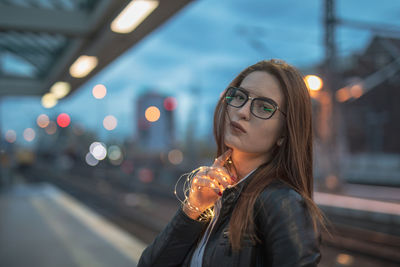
99, 91
313, 82
344, 259
331, 182
29, 134
175, 156
133, 14
356, 91
51, 128
146, 175
110, 122
152, 114
170, 103
98, 150
49, 100
83, 66
63, 120
11, 136
43, 120
342, 94
90, 160
60, 89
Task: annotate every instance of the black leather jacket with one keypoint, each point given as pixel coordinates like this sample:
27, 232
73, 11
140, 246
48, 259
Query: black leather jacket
285, 228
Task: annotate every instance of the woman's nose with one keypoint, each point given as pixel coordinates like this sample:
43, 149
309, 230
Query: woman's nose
244, 111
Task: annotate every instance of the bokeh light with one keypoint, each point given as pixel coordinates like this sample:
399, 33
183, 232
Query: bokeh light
43, 120
115, 155
29, 134
11, 136
98, 150
127, 166
99, 91
83, 66
90, 160
49, 100
110, 122
170, 103
60, 89
331, 182
345, 259
152, 114
51, 128
313, 82
356, 91
146, 175
63, 120
175, 156
342, 94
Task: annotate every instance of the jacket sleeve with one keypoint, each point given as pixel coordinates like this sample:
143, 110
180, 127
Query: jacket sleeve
173, 243
286, 229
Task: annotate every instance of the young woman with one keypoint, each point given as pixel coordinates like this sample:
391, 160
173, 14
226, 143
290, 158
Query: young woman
259, 188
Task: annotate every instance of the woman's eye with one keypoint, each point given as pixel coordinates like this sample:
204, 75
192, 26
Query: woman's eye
267, 109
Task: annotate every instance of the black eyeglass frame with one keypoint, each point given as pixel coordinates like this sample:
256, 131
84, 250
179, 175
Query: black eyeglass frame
271, 101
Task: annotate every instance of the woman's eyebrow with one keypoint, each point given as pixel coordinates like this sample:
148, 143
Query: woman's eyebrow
249, 91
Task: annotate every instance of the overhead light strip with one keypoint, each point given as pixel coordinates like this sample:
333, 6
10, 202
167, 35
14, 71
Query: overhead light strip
133, 15
83, 66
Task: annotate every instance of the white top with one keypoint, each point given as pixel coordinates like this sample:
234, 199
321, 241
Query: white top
197, 258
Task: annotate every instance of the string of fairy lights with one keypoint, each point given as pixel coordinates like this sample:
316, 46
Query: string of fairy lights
206, 215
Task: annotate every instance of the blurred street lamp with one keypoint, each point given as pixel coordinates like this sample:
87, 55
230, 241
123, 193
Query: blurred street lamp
313, 82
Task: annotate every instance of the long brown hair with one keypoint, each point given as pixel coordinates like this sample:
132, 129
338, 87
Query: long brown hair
292, 162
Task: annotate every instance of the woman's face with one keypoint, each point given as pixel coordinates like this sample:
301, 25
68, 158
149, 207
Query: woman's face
258, 136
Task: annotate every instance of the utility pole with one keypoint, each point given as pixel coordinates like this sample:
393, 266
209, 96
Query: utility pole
329, 119
330, 44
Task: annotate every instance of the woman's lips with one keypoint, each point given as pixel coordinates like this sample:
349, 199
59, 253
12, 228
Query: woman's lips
237, 127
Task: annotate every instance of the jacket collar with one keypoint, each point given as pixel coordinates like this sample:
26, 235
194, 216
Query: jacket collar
232, 193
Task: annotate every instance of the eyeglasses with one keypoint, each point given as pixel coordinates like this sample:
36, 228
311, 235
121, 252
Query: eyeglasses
261, 107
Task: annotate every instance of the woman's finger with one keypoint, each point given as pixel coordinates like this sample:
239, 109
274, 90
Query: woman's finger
220, 176
199, 183
220, 161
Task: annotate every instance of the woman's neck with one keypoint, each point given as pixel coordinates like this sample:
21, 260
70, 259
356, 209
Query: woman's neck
246, 162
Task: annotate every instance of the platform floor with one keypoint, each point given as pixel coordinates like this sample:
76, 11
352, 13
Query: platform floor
42, 226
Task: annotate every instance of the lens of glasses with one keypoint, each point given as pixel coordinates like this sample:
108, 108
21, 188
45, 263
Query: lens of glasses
235, 97
260, 108
263, 108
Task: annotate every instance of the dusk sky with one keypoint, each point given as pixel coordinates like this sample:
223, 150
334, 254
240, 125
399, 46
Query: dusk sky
195, 54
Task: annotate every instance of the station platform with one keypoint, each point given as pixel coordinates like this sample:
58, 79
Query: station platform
42, 226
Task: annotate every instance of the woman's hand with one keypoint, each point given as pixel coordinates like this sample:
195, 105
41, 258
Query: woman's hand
207, 186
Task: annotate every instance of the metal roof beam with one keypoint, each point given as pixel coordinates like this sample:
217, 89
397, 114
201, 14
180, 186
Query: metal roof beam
20, 86
71, 23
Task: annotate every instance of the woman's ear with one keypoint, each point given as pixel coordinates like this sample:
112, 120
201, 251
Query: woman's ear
280, 141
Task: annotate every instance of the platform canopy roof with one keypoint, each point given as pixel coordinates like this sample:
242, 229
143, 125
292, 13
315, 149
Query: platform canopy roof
41, 39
